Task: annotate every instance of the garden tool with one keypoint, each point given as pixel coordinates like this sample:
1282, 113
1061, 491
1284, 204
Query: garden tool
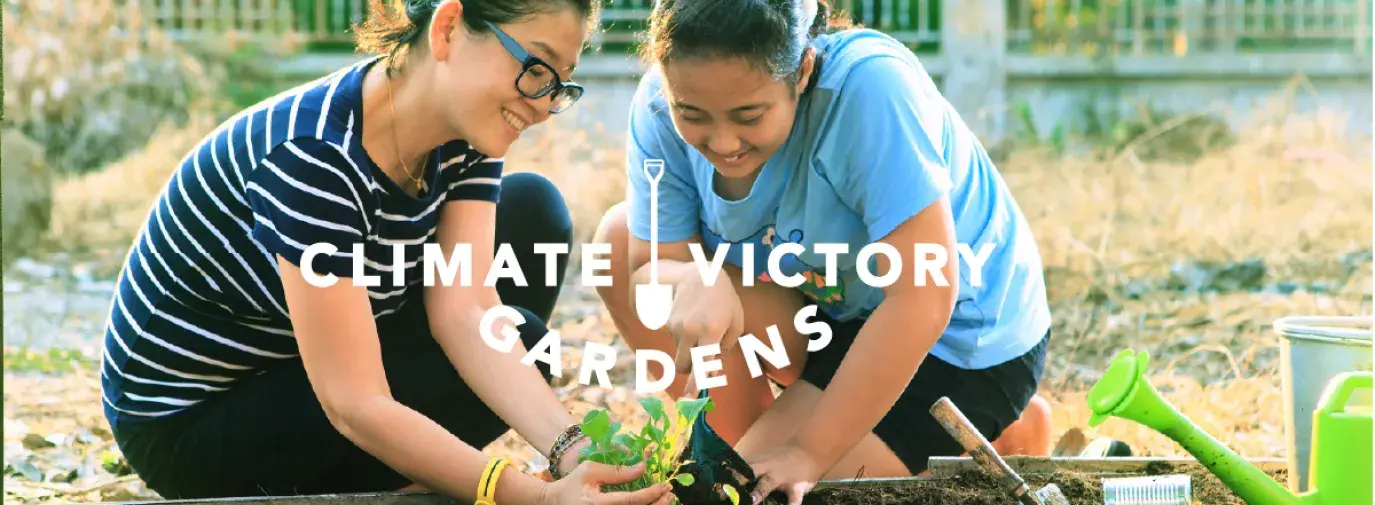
1075, 444
714, 465
969, 437
1341, 461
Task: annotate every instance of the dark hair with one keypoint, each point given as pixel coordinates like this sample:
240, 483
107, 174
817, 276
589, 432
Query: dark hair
392, 33
769, 33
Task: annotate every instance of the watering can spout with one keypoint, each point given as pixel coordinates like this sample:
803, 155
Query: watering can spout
1124, 392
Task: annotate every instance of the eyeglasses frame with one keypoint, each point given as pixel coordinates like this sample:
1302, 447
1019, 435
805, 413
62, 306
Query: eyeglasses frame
529, 60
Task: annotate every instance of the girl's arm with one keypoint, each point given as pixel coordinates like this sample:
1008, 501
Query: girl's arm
892, 343
888, 155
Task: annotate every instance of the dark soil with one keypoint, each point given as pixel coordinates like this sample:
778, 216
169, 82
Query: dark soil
977, 488
714, 464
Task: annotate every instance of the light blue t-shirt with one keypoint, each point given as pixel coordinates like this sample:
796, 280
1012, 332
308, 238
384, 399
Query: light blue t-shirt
873, 144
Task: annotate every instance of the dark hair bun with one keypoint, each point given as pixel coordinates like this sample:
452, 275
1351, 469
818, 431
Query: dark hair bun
419, 11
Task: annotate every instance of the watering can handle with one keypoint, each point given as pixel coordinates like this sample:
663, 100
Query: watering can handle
1339, 391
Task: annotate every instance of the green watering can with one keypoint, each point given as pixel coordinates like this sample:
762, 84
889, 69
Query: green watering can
1341, 458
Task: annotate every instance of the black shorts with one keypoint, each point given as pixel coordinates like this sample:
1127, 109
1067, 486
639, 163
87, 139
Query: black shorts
992, 398
268, 435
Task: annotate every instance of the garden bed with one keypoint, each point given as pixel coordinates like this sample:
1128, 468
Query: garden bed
953, 481
958, 481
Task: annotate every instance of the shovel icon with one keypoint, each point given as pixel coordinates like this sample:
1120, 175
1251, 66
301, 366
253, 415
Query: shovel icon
654, 301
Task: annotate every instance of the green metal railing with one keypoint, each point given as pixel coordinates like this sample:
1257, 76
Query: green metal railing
330, 21
1129, 27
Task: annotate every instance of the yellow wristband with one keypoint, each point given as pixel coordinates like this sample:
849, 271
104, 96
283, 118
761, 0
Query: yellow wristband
487, 486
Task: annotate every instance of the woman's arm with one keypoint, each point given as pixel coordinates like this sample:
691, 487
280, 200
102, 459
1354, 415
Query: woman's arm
308, 192
343, 359
514, 391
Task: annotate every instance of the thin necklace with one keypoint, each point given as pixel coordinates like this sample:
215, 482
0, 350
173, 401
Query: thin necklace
396, 143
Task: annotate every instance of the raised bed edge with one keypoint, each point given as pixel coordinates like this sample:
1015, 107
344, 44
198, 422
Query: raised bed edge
941, 468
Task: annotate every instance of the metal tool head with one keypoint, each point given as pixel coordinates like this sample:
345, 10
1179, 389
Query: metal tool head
983, 453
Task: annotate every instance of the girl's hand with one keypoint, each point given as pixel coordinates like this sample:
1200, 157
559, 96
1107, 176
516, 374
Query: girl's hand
583, 487
787, 468
704, 315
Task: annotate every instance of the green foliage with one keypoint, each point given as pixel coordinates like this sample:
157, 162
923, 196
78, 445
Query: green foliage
658, 443
52, 360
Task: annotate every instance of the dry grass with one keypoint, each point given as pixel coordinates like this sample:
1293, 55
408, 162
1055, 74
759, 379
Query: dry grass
1230, 411
1289, 192
99, 213
86, 102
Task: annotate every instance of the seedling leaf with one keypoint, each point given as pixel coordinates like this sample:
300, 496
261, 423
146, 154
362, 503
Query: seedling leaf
686, 479
659, 442
654, 407
691, 408
730, 492
612, 431
597, 426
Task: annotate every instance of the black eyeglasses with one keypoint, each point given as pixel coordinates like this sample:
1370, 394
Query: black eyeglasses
538, 79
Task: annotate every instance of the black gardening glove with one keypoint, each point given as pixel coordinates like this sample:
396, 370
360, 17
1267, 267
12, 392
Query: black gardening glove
713, 464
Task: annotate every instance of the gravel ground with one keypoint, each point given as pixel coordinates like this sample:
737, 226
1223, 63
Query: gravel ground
58, 302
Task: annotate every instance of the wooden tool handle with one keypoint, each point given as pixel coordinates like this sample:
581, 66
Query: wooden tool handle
959, 426
979, 449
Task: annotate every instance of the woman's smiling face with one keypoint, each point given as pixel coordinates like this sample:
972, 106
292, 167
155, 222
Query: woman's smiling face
479, 73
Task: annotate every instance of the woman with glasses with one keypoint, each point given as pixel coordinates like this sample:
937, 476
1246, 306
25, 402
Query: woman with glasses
273, 332
829, 151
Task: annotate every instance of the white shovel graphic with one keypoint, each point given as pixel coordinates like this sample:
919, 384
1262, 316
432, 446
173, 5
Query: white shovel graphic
654, 302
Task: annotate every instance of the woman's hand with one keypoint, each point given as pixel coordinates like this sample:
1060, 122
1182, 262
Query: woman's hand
787, 468
569, 460
704, 315
583, 487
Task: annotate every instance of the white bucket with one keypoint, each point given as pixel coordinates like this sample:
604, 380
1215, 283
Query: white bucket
1313, 350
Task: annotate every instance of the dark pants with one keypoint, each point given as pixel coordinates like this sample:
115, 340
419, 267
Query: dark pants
992, 398
268, 435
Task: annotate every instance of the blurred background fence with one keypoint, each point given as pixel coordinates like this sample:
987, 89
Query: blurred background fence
1020, 67
1089, 27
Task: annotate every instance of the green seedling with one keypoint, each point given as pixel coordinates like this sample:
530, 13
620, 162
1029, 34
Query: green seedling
658, 443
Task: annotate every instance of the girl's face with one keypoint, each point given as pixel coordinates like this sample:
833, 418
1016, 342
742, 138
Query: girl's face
731, 110
476, 78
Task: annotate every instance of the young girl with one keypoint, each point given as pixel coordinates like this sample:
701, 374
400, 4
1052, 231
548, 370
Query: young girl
777, 126
228, 371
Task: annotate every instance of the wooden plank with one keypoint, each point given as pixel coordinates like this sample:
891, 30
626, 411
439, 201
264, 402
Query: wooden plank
327, 499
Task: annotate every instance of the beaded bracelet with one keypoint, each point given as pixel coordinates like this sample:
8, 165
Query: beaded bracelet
566, 439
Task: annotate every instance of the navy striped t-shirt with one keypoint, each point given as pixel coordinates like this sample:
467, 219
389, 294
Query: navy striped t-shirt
199, 303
